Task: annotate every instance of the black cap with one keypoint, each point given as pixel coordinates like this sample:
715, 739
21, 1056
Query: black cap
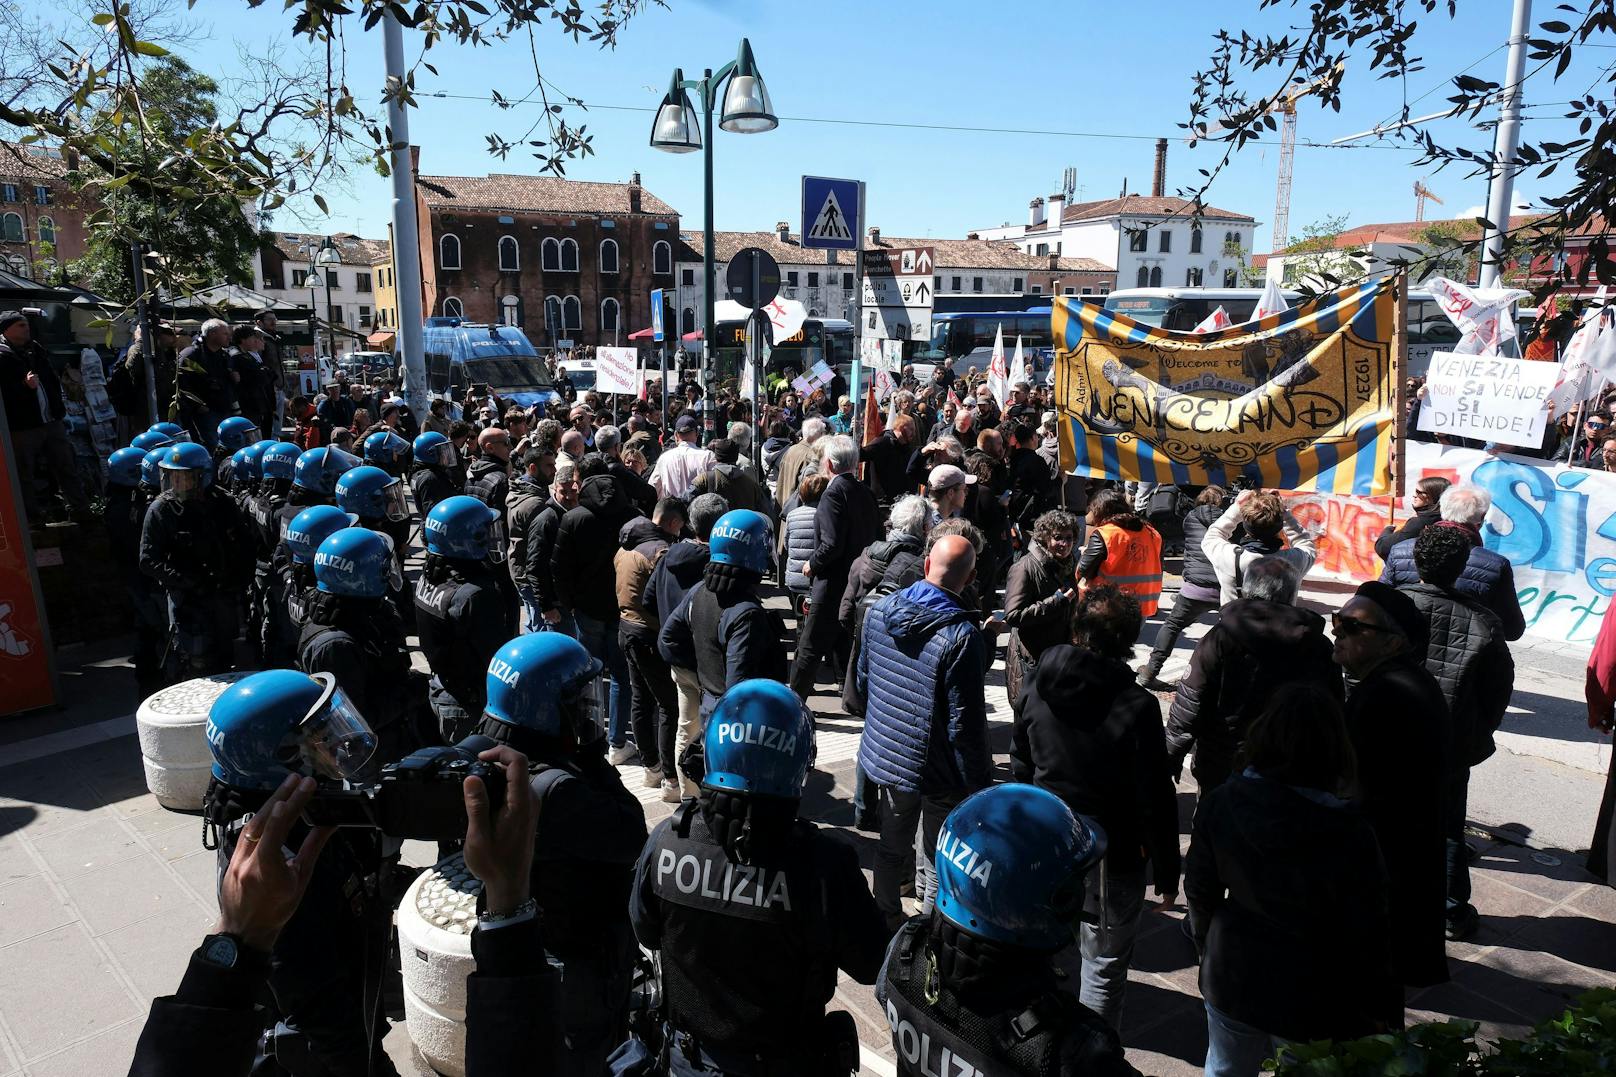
11, 318
686, 424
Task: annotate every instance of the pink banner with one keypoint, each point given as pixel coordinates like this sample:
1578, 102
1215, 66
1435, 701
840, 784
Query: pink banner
1344, 528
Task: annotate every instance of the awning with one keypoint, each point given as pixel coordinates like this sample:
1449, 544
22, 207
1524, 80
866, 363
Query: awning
693, 336
380, 341
644, 334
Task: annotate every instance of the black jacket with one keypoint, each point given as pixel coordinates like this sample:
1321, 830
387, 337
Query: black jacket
1197, 569
1091, 735
886, 459
489, 481
21, 402
1466, 653
195, 546
677, 571
203, 380
1256, 646
1032, 488
639, 492
541, 536
431, 485
847, 520
1410, 528
581, 564
523, 503
1287, 899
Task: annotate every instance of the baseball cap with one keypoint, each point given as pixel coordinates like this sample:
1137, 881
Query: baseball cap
946, 477
686, 424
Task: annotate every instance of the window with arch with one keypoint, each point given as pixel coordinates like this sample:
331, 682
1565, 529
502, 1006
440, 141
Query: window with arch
1229, 278
18, 265
11, 228
572, 311
662, 257
452, 308
550, 255
608, 256
1155, 276
609, 310
449, 251
510, 259
47, 230
1195, 241
1192, 278
1143, 280
687, 321
552, 313
569, 255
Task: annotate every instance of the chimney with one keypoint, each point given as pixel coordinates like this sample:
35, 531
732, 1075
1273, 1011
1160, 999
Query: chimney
634, 192
71, 156
415, 161
1035, 213
1054, 261
1158, 184
973, 235
1057, 205
1124, 187
782, 230
874, 236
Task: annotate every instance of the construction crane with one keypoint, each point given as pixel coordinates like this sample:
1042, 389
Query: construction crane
1286, 107
1422, 193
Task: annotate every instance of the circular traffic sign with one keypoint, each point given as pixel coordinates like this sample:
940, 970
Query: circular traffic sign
753, 278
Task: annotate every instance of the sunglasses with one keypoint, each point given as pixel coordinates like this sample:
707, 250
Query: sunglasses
1348, 627
1597, 426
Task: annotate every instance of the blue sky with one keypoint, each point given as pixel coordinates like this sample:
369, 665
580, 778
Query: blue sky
1104, 68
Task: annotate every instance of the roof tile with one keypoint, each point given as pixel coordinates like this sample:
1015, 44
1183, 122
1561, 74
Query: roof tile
535, 194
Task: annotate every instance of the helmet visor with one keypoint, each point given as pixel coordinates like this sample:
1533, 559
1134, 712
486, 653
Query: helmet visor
496, 540
250, 435
395, 577
335, 740
393, 504
588, 709
448, 455
182, 483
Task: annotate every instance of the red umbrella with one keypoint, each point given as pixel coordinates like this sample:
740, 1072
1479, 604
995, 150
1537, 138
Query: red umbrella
692, 336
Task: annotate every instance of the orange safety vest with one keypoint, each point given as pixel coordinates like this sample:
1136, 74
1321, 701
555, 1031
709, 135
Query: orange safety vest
1133, 564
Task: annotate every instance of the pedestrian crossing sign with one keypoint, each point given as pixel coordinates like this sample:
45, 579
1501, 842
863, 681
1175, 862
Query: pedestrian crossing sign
831, 213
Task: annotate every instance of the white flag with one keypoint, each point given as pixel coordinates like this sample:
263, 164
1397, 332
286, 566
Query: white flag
1483, 315
998, 371
1271, 301
1018, 366
1218, 319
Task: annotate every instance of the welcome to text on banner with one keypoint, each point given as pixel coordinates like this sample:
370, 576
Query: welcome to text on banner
1299, 400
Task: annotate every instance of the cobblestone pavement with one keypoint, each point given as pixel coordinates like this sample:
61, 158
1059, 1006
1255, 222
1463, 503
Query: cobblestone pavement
103, 893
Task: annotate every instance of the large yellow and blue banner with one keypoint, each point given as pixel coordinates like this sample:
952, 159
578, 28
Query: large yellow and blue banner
1300, 400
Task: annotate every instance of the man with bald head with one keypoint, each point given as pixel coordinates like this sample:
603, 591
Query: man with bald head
489, 479
921, 668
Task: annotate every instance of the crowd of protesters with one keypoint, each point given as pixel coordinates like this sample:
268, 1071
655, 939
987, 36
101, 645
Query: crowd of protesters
1331, 758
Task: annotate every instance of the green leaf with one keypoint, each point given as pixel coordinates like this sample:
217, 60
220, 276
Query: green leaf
323, 207
102, 19
148, 48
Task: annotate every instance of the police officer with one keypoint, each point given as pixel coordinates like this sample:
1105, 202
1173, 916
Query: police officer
388, 451
437, 473
314, 482
463, 609
191, 544
355, 635
377, 499
304, 534
148, 440
753, 909
973, 987
276, 467
546, 698
174, 432
125, 513
325, 968
233, 434
722, 630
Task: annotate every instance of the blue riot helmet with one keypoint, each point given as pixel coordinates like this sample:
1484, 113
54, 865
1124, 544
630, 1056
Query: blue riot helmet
150, 439
255, 459
123, 466
1010, 864
311, 527
547, 683
280, 460
151, 474
435, 450
172, 431
372, 494
237, 432
240, 470
385, 448
319, 469
464, 529
741, 538
758, 740
186, 469
280, 720
355, 562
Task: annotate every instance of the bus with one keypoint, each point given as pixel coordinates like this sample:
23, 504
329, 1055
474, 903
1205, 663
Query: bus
1430, 330
500, 357
827, 340
964, 340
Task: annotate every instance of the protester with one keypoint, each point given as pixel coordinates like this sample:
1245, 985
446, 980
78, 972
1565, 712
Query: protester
1038, 598
802, 538
678, 469
654, 707
204, 387
887, 460
1599, 693
731, 482
1270, 531
1487, 576
798, 461
1427, 510
34, 411
1122, 550
1198, 594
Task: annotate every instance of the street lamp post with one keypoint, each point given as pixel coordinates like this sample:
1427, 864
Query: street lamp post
328, 258
747, 110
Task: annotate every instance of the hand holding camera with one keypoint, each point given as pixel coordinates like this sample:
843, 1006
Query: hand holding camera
262, 887
499, 837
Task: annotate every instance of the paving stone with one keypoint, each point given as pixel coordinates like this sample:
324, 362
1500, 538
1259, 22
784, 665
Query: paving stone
177, 841
15, 860
1515, 865
59, 801
200, 870
154, 952
8, 1063
162, 820
29, 907
106, 1054
120, 894
69, 993
1583, 940
1532, 984
97, 844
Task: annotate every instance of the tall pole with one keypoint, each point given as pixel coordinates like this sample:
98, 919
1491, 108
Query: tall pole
330, 325
709, 271
148, 345
406, 228
1502, 188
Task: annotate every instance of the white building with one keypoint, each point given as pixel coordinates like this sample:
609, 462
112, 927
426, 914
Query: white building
284, 270
828, 288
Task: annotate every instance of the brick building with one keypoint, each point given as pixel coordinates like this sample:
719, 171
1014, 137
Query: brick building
560, 259
41, 224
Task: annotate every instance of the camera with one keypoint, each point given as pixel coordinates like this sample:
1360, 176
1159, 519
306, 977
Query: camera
417, 797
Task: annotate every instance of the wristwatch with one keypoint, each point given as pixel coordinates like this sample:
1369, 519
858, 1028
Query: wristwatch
227, 951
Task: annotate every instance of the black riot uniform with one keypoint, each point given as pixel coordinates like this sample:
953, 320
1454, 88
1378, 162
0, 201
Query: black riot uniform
267, 623
360, 642
750, 951
195, 551
464, 612
125, 515
288, 585
431, 484
725, 634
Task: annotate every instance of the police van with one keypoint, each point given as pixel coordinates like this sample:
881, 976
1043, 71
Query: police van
499, 358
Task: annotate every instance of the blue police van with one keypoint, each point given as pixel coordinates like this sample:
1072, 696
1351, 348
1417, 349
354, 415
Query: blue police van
499, 358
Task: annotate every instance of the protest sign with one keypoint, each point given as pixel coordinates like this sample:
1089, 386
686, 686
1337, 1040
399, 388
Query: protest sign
617, 370
1487, 397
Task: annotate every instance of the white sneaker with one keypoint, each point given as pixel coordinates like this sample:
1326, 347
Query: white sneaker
626, 754
653, 777
670, 791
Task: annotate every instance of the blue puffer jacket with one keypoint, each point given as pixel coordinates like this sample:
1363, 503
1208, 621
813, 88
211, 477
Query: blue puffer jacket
802, 538
1487, 577
920, 667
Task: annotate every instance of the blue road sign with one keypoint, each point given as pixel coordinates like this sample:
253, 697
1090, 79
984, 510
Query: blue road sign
832, 213
656, 315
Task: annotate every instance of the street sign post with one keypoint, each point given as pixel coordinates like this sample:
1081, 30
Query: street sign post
897, 294
753, 277
656, 315
832, 213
